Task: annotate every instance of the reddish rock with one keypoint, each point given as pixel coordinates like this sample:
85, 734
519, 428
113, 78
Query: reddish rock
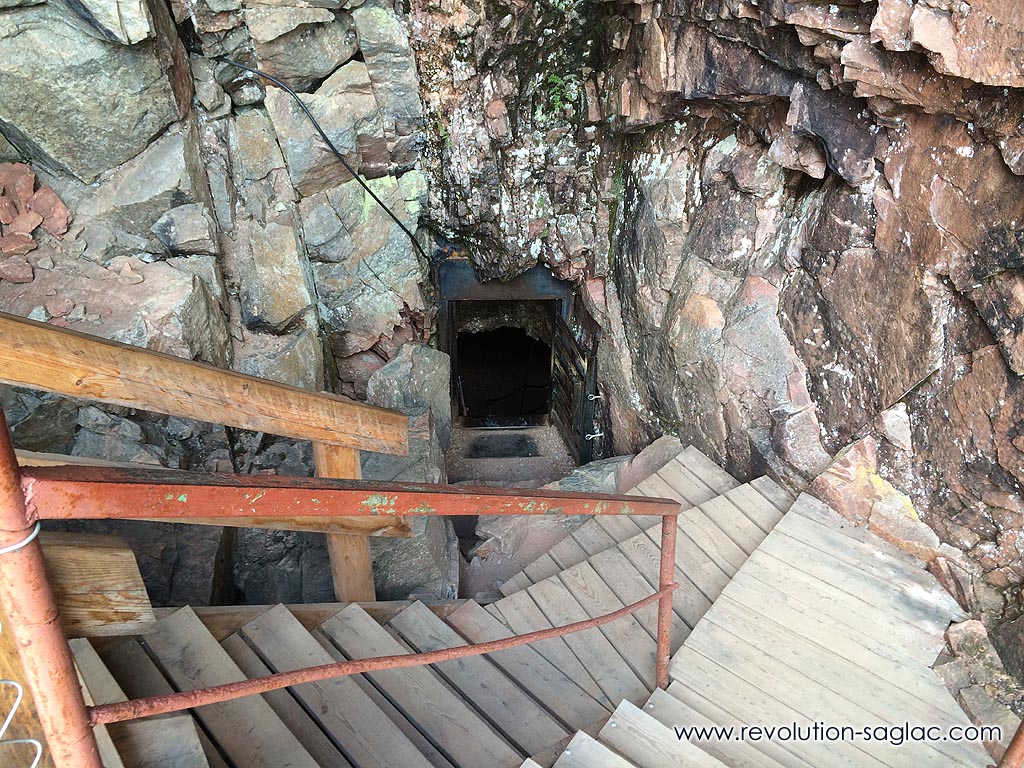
8, 210
59, 306
25, 223
16, 244
47, 204
16, 270
17, 182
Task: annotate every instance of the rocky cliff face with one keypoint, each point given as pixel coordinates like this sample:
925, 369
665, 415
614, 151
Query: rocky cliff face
798, 223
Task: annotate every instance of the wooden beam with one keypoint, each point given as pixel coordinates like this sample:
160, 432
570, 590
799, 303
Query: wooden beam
225, 620
363, 526
97, 583
351, 563
70, 363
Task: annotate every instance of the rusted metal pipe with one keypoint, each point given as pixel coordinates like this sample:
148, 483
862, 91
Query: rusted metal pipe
666, 576
33, 621
1013, 757
119, 712
96, 493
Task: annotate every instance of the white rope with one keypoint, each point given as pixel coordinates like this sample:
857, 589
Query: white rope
10, 719
19, 545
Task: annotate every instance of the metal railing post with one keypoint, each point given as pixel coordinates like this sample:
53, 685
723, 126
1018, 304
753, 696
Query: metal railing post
1014, 755
666, 578
33, 621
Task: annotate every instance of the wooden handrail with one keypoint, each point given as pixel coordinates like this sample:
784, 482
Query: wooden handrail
69, 363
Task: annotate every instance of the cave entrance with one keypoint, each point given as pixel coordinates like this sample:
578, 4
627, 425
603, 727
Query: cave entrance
501, 366
523, 358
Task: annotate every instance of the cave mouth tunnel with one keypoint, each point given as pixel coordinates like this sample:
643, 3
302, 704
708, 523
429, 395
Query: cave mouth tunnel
502, 373
501, 362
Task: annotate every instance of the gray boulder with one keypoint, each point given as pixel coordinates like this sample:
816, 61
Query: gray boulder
104, 102
347, 111
384, 42
301, 46
415, 382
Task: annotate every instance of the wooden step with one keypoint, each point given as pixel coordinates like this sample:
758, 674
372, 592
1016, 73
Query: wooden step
587, 752
691, 478
591, 646
169, 741
444, 717
648, 744
286, 706
247, 730
138, 676
522, 615
673, 713
508, 707
573, 706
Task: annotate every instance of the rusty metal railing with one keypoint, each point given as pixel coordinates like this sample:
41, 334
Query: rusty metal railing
64, 493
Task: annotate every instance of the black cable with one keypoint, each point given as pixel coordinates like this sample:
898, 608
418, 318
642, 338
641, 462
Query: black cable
330, 145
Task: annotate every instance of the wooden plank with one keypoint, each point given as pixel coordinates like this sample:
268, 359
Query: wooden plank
168, 741
747, 703
109, 755
97, 584
905, 574
670, 709
685, 483
25, 723
649, 744
285, 706
351, 563
712, 539
698, 569
459, 732
736, 525
58, 360
573, 706
756, 507
629, 638
246, 729
619, 528
520, 613
867, 647
587, 752
515, 584
629, 586
224, 620
339, 706
910, 606
541, 568
780, 498
138, 676
645, 556
656, 485
873, 620
568, 552
590, 646
801, 693
593, 538
884, 701
429, 751
509, 709
708, 471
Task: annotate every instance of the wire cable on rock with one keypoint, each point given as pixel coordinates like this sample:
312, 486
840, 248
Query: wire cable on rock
330, 145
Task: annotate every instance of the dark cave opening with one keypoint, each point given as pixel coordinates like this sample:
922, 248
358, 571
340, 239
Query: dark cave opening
502, 372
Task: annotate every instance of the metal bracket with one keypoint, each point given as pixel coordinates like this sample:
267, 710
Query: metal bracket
594, 435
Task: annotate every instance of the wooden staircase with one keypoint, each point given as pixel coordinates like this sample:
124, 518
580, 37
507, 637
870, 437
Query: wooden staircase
786, 613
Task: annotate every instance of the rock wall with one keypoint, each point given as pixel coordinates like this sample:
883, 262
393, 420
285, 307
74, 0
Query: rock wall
797, 223
208, 220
